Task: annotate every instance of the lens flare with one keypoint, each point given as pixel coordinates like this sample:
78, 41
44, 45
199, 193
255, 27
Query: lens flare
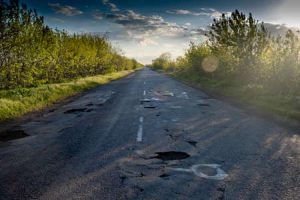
210, 64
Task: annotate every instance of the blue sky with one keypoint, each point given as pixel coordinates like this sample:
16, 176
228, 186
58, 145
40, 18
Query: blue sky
144, 29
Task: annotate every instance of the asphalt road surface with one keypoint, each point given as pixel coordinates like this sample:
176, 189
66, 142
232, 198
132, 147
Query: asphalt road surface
147, 136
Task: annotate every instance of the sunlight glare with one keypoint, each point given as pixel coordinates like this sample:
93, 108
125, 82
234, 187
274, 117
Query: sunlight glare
210, 64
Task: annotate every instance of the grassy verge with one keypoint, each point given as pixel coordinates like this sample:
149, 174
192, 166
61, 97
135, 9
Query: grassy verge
253, 95
15, 103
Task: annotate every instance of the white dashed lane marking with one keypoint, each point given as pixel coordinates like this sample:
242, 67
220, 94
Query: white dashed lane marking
139, 136
141, 119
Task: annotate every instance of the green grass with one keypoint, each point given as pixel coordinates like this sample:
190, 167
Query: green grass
17, 102
253, 95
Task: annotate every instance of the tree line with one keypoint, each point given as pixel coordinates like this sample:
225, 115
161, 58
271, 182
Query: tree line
241, 51
31, 53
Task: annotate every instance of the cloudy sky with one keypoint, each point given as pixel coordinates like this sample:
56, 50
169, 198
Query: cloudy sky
144, 29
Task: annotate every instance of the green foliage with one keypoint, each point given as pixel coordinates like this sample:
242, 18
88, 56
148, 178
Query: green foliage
281, 65
163, 62
32, 54
194, 57
243, 38
16, 102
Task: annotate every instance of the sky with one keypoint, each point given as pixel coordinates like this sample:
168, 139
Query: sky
144, 29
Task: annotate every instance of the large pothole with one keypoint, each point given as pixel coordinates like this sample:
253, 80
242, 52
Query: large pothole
75, 110
12, 135
171, 155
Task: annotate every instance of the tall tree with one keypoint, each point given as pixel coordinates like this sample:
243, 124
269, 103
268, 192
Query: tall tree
244, 37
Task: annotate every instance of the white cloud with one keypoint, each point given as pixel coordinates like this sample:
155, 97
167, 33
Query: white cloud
279, 29
187, 12
209, 9
136, 23
286, 12
147, 41
97, 15
146, 37
113, 7
65, 9
209, 12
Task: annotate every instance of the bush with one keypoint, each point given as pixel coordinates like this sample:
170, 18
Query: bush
31, 53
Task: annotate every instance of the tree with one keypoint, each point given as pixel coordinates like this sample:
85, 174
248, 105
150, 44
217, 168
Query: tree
195, 55
162, 62
244, 37
31, 53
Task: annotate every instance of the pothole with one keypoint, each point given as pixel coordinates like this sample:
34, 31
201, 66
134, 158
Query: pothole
150, 106
164, 176
192, 142
145, 101
64, 129
171, 155
123, 178
75, 110
80, 115
203, 104
174, 137
12, 135
140, 189
222, 193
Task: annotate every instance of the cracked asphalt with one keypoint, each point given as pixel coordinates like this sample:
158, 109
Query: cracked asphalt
147, 136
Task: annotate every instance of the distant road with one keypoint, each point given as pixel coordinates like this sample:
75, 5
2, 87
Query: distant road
147, 136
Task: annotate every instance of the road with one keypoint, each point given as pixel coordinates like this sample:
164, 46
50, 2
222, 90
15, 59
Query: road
147, 136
